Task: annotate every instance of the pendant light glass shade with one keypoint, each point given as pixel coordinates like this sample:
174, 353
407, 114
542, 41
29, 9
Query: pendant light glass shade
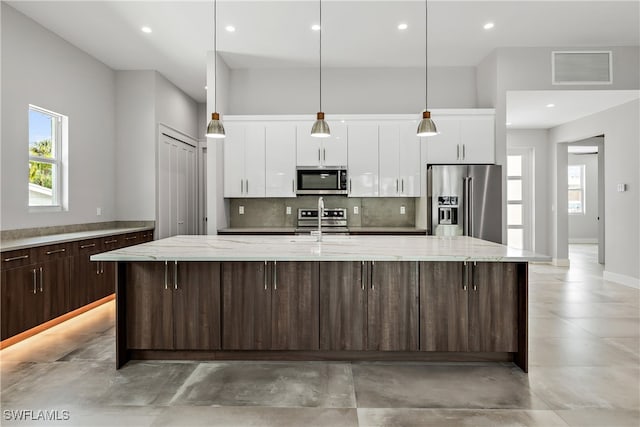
320, 128
426, 127
215, 129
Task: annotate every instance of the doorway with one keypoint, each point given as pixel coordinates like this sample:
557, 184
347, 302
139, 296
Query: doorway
585, 194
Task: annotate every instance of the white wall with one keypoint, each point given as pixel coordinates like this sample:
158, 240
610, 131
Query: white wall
349, 90
538, 141
40, 68
583, 228
522, 68
135, 130
144, 100
621, 129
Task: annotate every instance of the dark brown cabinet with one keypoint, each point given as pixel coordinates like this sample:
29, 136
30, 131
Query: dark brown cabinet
87, 276
33, 294
343, 305
173, 306
469, 307
270, 305
393, 306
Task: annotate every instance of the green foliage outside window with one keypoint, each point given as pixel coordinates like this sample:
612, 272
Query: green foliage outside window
41, 173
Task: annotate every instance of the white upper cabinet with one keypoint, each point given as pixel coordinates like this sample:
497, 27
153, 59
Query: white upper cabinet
363, 160
280, 160
462, 139
331, 151
399, 151
244, 160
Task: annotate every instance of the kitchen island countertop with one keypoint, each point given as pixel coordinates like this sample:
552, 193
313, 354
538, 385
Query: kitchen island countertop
332, 248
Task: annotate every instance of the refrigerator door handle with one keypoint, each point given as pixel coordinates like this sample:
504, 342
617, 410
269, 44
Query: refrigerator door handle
465, 209
470, 204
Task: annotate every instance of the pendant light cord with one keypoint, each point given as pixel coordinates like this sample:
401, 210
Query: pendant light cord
320, 55
215, 57
426, 55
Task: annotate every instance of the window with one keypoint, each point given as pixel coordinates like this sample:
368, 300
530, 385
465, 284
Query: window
520, 222
576, 189
46, 140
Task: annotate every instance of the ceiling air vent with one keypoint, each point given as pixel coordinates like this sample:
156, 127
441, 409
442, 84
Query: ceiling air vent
581, 67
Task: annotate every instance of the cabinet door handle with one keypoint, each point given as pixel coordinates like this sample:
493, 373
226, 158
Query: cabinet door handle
131, 238
275, 276
464, 151
473, 272
324, 154
372, 285
57, 251
91, 245
350, 186
107, 242
15, 258
362, 274
175, 275
34, 281
101, 267
293, 186
242, 186
465, 275
41, 288
246, 186
458, 151
396, 186
318, 154
265, 275
166, 274
402, 191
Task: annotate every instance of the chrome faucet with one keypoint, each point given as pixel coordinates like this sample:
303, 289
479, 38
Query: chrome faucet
320, 215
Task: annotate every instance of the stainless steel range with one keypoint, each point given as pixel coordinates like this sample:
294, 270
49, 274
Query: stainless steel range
334, 221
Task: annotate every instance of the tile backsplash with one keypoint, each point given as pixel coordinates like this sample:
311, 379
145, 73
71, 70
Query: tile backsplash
373, 212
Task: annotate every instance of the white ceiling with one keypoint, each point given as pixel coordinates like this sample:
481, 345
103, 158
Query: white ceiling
356, 33
528, 109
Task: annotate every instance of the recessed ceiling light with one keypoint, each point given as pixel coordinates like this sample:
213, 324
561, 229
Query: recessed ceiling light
508, 123
230, 28
551, 105
145, 30
206, 88
403, 26
315, 27
488, 25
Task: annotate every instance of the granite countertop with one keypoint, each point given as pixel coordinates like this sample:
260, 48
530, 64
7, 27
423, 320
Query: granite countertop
332, 248
27, 242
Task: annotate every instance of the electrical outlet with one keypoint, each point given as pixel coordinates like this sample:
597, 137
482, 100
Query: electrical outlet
98, 211
356, 210
288, 210
403, 210
241, 210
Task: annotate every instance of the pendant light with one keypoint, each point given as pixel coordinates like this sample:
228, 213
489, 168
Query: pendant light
320, 128
426, 127
215, 129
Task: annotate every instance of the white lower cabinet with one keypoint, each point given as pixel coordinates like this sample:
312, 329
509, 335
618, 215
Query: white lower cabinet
244, 160
363, 160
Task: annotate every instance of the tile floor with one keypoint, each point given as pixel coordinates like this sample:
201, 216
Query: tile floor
584, 371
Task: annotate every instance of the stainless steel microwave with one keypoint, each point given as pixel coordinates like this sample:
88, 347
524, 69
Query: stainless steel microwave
321, 180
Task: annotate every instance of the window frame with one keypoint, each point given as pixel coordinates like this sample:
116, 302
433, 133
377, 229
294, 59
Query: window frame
58, 152
581, 188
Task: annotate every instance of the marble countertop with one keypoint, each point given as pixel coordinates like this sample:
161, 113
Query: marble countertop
292, 230
332, 248
28, 242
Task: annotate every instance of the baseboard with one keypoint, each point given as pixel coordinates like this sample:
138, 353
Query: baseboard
560, 262
621, 279
583, 241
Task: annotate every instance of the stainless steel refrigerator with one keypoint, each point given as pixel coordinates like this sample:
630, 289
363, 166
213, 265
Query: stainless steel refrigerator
465, 200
